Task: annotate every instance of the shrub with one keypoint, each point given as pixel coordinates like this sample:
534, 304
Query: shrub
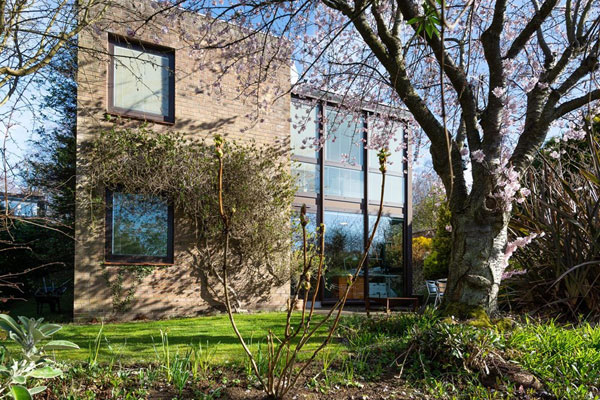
33, 363
436, 264
459, 360
256, 182
421, 249
561, 265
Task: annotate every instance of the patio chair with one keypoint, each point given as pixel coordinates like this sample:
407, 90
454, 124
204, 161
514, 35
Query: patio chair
441, 288
432, 290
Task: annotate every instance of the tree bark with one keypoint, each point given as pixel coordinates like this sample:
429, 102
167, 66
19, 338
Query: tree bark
479, 238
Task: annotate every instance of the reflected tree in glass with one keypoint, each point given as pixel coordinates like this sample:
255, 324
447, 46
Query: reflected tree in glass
140, 225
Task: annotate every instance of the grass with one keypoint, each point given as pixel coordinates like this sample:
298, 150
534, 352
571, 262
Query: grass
135, 342
440, 358
446, 359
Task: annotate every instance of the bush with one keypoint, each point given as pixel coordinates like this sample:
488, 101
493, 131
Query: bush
459, 360
437, 263
421, 249
257, 186
561, 266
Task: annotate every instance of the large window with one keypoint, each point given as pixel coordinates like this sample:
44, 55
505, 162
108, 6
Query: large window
344, 155
139, 229
350, 181
343, 247
141, 81
385, 258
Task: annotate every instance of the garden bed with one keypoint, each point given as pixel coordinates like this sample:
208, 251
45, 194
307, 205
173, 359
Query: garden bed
402, 356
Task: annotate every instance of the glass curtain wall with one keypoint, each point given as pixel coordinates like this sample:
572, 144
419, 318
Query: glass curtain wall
341, 185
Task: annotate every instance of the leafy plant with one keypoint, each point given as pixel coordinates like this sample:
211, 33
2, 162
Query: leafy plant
560, 268
201, 359
436, 264
164, 357
94, 348
283, 352
179, 372
33, 363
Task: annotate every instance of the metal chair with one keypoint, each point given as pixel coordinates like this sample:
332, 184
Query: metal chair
432, 290
441, 288
437, 289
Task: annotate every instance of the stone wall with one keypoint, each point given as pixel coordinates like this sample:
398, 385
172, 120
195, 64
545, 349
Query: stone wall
202, 108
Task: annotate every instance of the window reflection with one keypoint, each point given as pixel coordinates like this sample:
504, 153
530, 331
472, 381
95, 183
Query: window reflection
394, 188
343, 182
393, 131
307, 177
131, 92
23, 208
311, 229
385, 258
304, 129
139, 225
343, 247
344, 138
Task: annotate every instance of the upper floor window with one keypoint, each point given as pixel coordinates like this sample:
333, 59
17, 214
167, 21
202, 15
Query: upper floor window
141, 80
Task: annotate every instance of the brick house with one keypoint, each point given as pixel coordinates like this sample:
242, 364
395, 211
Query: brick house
145, 72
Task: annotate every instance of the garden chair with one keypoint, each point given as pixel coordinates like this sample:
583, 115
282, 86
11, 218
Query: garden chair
432, 290
441, 288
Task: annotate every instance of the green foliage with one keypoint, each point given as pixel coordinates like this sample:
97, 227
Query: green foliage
427, 200
451, 360
564, 205
27, 246
428, 22
257, 186
566, 358
202, 358
437, 263
32, 362
51, 166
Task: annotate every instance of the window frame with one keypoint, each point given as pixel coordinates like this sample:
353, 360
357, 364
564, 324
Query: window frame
316, 160
322, 203
115, 40
120, 259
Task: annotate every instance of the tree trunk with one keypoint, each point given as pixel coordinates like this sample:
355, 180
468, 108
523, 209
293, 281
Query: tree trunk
479, 239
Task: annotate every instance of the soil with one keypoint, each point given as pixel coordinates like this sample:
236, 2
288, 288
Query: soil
385, 389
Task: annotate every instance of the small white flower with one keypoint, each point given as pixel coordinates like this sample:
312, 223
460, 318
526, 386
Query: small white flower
555, 155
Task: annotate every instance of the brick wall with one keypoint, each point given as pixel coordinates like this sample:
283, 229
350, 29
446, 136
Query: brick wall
201, 112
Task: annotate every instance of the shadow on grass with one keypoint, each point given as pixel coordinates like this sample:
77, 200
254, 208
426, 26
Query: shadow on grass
140, 342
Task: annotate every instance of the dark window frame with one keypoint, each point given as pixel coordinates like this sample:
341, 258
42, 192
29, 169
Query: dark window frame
109, 257
146, 48
326, 203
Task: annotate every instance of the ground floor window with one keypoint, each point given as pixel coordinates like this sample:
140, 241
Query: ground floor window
139, 228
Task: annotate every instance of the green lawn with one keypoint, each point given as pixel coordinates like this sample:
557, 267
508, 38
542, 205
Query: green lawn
135, 342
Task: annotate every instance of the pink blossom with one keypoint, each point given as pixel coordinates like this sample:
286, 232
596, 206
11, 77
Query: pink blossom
464, 151
478, 156
449, 228
555, 155
520, 242
510, 274
499, 92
